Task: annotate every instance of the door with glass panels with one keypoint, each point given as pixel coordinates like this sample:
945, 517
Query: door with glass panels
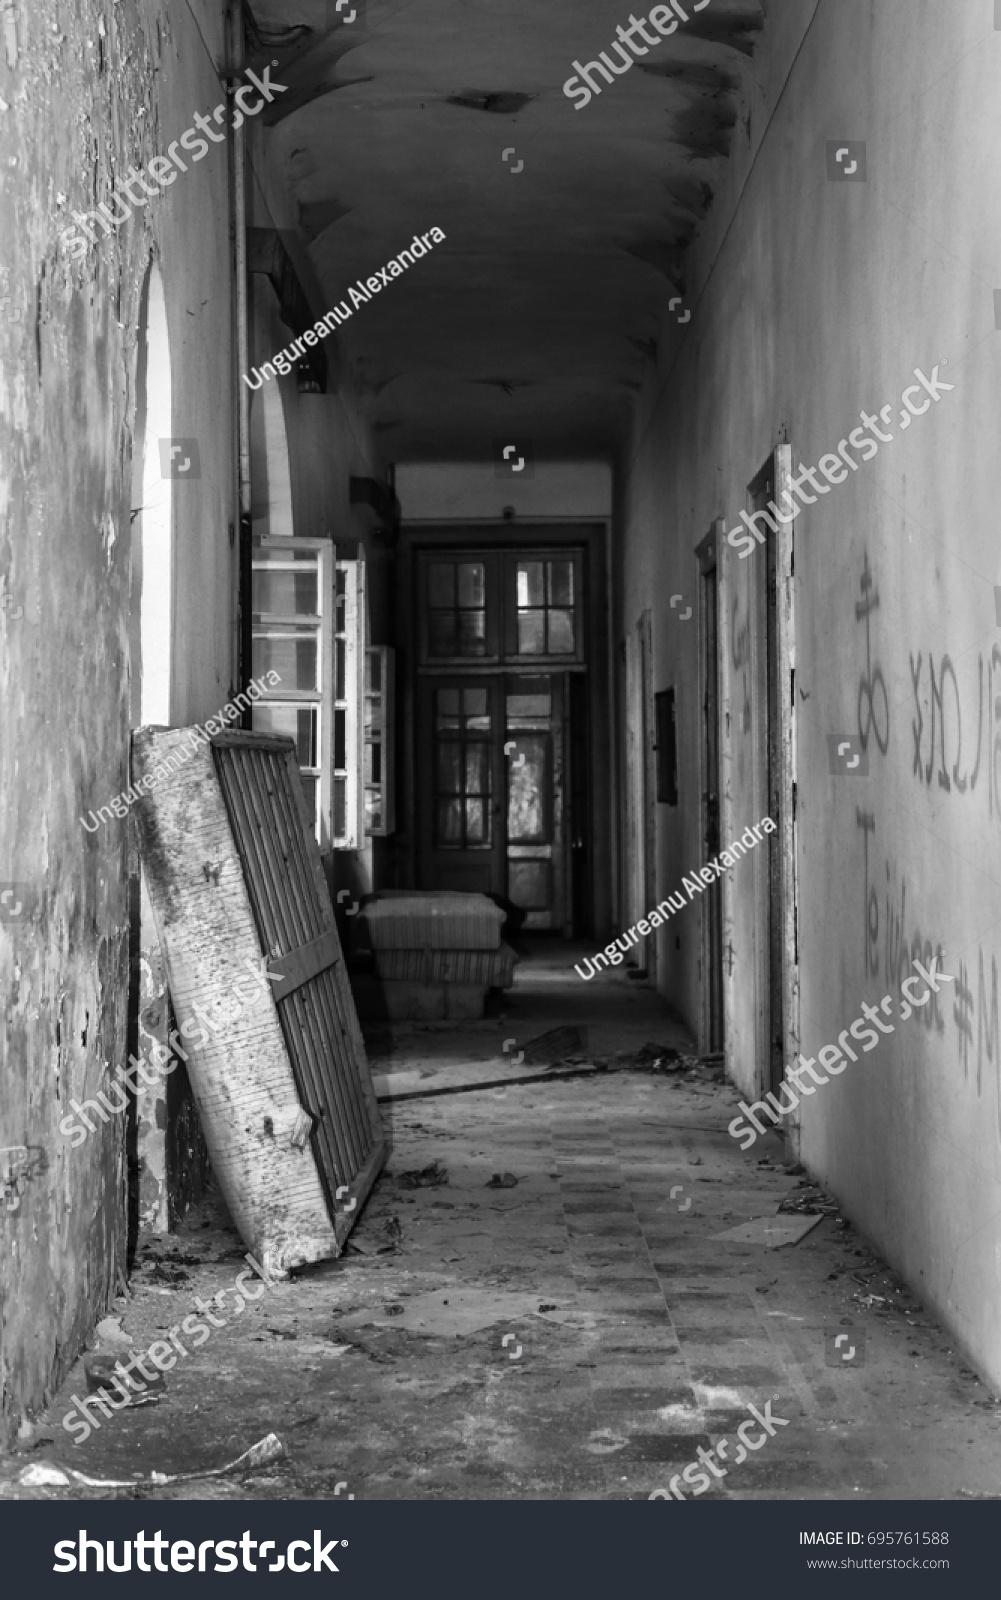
534, 746
500, 638
461, 780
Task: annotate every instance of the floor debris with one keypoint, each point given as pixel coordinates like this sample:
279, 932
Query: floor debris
396, 1088
557, 1044
101, 1367
770, 1231
429, 1177
628, 1328
44, 1474
810, 1197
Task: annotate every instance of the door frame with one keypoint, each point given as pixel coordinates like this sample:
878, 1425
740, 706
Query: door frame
709, 557
785, 645
735, 972
502, 535
640, 879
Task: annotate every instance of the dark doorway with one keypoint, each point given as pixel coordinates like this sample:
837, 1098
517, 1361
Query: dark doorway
763, 491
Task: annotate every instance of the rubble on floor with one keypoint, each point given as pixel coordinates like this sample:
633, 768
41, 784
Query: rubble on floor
577, 1336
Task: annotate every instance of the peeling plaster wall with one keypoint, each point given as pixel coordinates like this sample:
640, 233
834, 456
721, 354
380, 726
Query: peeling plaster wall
87, 99
812, 300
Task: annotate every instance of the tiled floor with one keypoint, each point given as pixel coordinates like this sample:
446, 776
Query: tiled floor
579, 1335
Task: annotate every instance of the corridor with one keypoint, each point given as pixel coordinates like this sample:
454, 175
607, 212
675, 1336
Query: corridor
500, 646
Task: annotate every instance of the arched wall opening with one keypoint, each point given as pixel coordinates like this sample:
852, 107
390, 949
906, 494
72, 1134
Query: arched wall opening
152, 591
152, 1165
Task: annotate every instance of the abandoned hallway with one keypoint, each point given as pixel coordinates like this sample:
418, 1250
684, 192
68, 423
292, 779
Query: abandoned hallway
580, 1334
500, 773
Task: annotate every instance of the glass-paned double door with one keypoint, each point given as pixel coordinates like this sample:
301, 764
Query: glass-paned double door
491, 769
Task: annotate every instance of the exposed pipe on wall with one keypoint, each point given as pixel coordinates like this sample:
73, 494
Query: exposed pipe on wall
238, 215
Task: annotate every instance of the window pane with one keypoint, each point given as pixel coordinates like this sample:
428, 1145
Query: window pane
373, 663
293, 655
529, 705
476, 822
286, 594
449, 822
449, 768
561, 583
340, 671
477, 710
531, 633
442, 633
448, 708
296, 722
340, 807
441, 584
276, 719
340, 740
561, 633
373, 810
530, 583
472, 633
477, 769
527, 787
472, 583
281, 558
529, 697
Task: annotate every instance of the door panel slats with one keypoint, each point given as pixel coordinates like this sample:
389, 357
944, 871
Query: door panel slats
288, 894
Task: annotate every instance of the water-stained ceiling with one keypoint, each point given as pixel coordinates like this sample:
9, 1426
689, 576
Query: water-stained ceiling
538, 311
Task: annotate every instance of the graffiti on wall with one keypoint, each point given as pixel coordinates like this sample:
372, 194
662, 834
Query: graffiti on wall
873, 703
944, 719
971, 1021
979, 1020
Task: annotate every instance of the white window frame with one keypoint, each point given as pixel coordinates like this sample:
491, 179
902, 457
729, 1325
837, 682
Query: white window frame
350, 704
380, 730
321, 698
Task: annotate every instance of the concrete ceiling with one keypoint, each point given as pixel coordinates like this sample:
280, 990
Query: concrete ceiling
535, 316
